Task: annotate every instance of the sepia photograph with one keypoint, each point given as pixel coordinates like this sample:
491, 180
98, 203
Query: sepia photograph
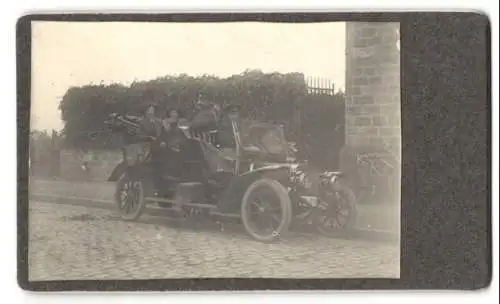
164, 150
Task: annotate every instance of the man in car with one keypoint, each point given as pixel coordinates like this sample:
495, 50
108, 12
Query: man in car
206, 117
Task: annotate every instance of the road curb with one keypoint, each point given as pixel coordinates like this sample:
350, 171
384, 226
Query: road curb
358, 233
72, 200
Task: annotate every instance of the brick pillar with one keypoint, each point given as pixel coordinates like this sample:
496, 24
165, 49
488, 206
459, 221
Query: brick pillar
373, 115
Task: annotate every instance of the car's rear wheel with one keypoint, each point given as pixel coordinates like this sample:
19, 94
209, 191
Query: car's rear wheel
130, 198
266, 210
338, 211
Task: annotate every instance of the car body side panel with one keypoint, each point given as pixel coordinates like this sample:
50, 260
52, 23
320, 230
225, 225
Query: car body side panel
232, 196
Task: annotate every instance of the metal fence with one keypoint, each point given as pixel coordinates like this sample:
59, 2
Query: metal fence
320, 86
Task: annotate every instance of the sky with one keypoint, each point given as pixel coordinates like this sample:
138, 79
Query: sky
66, 54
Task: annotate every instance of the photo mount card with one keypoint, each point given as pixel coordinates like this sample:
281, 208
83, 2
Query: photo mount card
255, 151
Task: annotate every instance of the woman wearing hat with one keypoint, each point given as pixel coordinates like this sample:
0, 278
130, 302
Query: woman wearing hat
150, 124
173, 134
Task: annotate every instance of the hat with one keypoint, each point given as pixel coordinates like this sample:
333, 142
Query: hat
201, 102
232, 108
152, 104
146, 106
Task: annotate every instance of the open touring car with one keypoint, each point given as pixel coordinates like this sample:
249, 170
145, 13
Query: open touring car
240, 169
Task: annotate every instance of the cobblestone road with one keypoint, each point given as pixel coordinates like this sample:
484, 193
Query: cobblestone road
75, 242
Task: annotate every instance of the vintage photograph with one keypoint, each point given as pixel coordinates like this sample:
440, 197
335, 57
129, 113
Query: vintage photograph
162, 150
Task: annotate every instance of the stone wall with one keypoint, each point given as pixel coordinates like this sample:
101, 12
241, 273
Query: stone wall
100, 165
373, 106
373, 111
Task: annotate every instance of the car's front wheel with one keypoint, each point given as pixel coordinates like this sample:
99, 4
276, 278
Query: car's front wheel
338, 211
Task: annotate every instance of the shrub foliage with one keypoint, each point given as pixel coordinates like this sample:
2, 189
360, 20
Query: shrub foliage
315, 122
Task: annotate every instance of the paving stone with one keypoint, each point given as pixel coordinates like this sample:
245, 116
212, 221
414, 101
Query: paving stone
101, 248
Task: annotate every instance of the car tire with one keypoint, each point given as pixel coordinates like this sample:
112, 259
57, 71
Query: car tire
348, 205
135, 188
283, 201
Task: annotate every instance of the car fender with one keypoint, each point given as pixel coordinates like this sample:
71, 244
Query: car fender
117, 172
138, 170
233, 195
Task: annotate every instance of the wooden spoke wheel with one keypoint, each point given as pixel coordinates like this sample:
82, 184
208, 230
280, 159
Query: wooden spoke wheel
266, 210
130, 198
337, 211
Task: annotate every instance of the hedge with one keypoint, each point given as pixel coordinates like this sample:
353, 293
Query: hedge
262, 96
